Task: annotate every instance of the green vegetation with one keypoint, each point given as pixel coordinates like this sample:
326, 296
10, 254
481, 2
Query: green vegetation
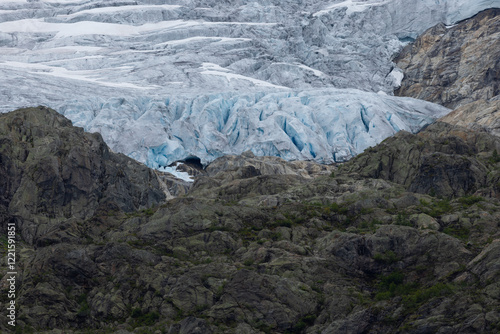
336, 208
302, 324
440, 207
371, 226
436, 208
495, 157
412, 294
420, 296
392, 285
458, 232
389, 257
214, 228
141, 213
291, 219
148, 212
84, 310
467, 201
143, 319
3, 243
403, 219
248, 262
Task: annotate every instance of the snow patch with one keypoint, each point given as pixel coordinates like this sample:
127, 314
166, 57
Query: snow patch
68, 49
116, 9
89, 27
222, 72
315, 72
353, 6
213, 67
177, 173
199, 39
397, 76
60, 72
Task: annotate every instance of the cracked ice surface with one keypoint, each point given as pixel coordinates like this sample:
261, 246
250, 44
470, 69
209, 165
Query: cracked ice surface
324, 125
234, 74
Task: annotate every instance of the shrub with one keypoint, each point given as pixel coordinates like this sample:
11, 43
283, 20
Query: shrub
393, 285
420, 296
388, 257
84, 310
143, 319
470, 200
440, 207
402, 219
461, 233
248, 262
495, 157
334, 207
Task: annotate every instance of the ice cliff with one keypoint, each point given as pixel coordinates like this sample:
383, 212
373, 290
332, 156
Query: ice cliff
325, 125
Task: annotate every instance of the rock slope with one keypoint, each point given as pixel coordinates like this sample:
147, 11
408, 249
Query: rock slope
53, 173
482, 114
258, 245
443, 159
454, 65
458, 67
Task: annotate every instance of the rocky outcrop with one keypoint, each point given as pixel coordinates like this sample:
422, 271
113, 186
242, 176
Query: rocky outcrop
454, 66
53, 172
248, 165
482, 114
259, 245
442, 159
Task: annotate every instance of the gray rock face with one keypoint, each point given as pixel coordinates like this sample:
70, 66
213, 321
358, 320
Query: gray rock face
482, 114
50, 167
442, 159
454, 66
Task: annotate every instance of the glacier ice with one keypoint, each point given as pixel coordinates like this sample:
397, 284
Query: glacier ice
327, 125
163, 79
160, 46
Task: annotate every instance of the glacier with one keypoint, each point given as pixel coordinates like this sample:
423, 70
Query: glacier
166, 80
327, 125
